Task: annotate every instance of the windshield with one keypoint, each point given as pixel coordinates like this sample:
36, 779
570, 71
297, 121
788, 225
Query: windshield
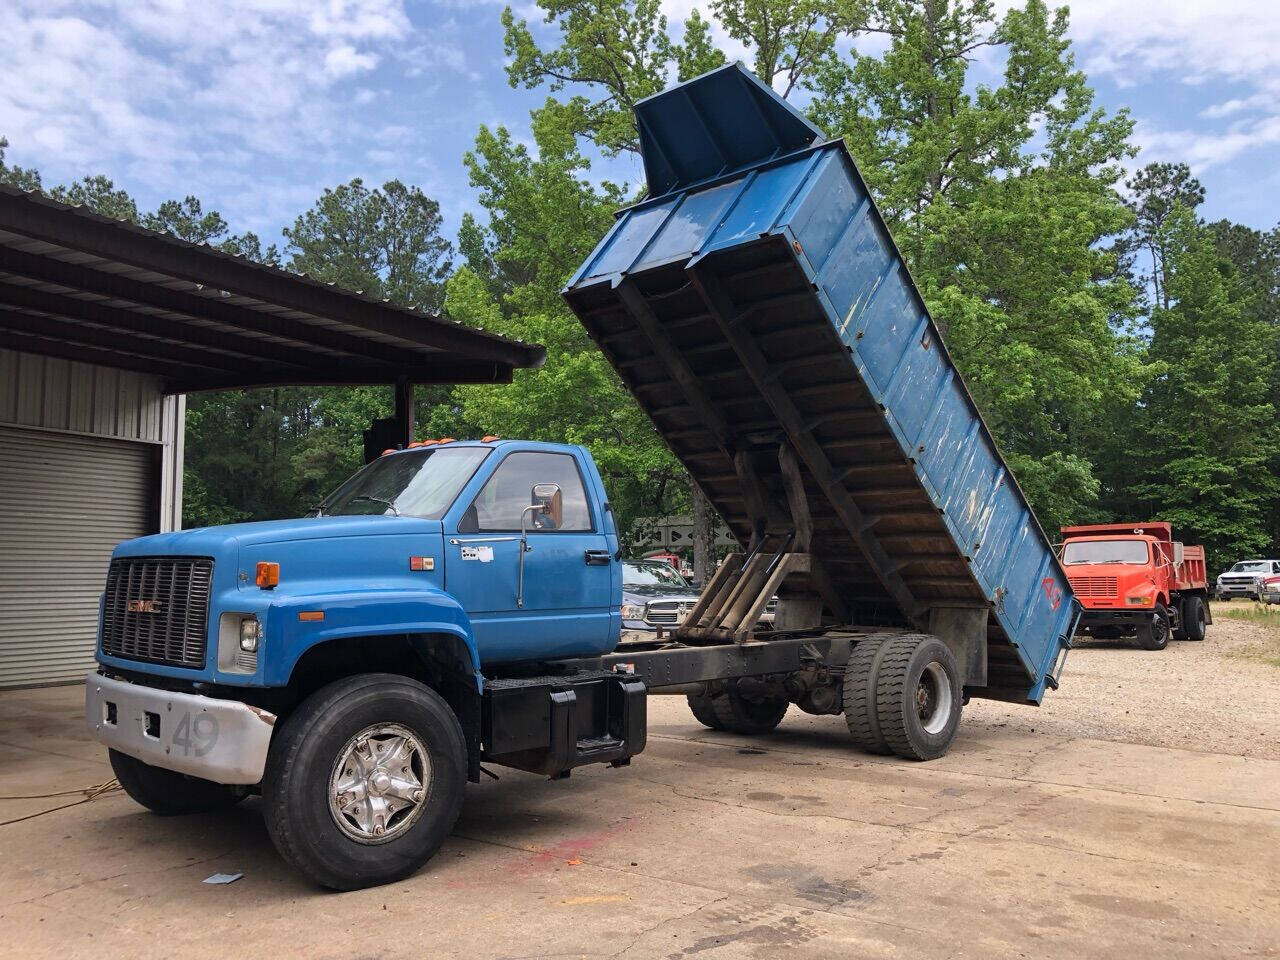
421, 483
651, 575
1251, 566
1104, 551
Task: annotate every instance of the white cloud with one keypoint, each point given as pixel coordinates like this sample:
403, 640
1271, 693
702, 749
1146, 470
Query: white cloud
344, 60
95, 84
1193, 40
1232, 45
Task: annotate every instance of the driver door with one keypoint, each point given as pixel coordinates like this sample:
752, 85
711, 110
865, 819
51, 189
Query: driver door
563, 605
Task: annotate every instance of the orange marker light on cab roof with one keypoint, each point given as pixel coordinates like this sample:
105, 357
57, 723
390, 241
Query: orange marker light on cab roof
388, 450
268, 575
446, 440
489, 438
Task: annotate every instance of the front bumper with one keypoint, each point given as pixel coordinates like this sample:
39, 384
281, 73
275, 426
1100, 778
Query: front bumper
1237, 589
1129, 619
225, 741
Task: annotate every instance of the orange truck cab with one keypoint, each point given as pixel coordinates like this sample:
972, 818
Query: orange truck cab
1136, 579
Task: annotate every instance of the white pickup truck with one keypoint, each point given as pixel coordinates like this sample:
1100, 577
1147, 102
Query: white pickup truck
1248, 579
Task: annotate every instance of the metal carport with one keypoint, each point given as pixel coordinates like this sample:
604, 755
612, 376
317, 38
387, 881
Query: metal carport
103, 327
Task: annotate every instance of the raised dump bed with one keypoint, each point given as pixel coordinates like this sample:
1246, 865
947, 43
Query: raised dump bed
755, 299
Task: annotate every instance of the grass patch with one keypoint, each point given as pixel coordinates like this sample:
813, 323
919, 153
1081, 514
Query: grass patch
1266, 614
1266, 650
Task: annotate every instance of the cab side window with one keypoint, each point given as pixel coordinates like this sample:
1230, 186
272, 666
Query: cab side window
499, 505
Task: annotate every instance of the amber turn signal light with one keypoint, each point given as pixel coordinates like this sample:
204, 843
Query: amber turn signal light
268, 575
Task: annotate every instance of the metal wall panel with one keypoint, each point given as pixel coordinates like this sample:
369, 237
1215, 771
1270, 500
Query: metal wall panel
65, 502
58, 394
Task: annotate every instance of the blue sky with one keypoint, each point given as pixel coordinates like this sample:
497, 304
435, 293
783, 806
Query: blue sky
256, 105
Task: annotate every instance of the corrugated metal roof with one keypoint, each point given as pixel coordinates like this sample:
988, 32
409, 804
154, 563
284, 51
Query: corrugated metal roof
83, 287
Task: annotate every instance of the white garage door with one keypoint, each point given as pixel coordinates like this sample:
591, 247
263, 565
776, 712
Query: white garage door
65, 501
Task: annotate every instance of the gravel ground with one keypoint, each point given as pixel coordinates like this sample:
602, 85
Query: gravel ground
1220, 696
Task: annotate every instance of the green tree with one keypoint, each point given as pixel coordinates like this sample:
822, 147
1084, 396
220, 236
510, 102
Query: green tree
275, 452
1206, 434
789, 39
1255, 254
544, 218
1003, 197
20, 177
384, 242
186, 220
545, 214
1157, 190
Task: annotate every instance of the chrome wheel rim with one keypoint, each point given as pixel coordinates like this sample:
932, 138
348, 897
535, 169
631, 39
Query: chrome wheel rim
933, 698
378, 788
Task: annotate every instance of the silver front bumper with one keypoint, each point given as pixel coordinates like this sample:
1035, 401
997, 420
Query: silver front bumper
220, 740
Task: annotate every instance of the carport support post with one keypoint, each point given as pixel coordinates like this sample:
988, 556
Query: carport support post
404, 411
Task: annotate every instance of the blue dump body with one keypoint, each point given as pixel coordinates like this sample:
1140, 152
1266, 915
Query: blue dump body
756, 296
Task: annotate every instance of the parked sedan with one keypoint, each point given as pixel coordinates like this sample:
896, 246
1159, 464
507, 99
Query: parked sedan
654, 596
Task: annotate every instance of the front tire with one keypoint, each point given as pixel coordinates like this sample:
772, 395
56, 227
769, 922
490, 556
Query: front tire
365, 781
168, 793
1155, 635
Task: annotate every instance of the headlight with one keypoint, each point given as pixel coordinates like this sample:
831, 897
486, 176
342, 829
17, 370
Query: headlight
1139, 601
632, 611
250, 633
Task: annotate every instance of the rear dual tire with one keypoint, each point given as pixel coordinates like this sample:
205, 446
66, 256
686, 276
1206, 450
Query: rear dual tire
1194, 619
731, 712
903, 695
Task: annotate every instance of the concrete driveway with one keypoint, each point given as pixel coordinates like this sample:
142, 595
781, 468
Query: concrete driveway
1018, 844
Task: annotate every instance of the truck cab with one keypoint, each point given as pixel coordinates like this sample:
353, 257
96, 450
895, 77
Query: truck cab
507, 547
1136, 579
413, 586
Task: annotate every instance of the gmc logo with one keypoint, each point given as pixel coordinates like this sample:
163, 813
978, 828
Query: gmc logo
144, 606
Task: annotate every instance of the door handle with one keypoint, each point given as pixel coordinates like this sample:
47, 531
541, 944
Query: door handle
597, 558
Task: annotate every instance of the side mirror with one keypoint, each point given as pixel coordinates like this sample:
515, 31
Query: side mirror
549, 501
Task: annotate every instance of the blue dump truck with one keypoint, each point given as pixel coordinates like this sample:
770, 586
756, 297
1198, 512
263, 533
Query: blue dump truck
458, 604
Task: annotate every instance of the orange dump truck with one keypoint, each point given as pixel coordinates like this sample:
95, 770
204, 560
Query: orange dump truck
1134, 578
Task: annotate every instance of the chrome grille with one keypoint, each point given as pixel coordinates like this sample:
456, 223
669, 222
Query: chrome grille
666, 613
1094, 586
156, 609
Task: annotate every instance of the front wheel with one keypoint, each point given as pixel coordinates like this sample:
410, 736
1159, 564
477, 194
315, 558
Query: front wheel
1155, 635
365, 781
168, 793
